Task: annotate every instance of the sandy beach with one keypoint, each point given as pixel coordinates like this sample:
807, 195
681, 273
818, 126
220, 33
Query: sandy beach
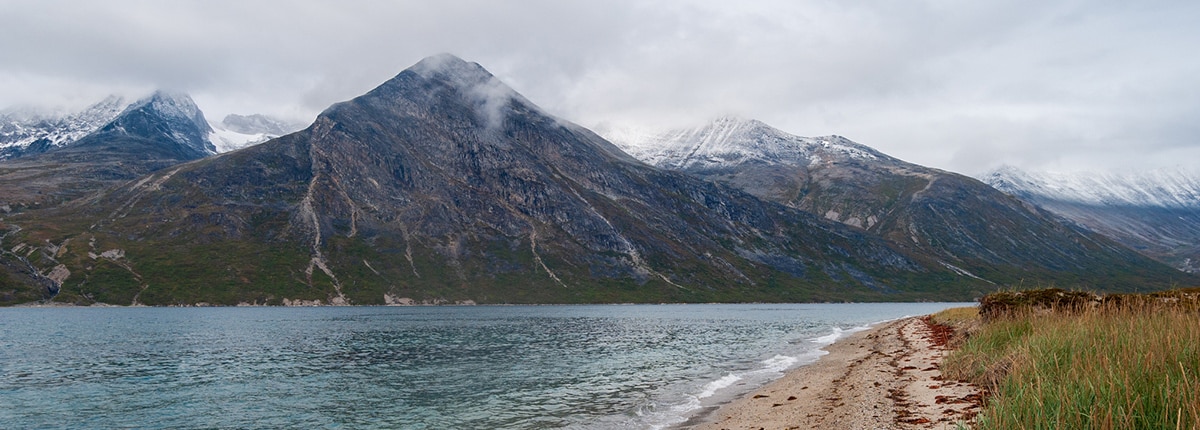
883, 378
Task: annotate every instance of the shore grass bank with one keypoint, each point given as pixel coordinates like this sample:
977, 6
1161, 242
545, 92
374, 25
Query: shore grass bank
1052, 359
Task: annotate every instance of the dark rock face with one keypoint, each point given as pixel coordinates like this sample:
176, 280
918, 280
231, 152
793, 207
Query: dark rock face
969, 226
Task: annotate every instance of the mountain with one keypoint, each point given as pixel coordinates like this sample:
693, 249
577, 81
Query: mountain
751, 155
160, 130
27, 132
968, 225
165, 124
1156, 212
239, 131
444, 184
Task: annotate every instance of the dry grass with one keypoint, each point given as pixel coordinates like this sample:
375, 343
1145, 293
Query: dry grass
1122, 365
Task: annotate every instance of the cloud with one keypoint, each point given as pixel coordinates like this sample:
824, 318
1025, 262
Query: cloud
957, 85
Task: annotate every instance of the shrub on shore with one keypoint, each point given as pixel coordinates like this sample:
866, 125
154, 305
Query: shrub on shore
1008, 303
1116, 362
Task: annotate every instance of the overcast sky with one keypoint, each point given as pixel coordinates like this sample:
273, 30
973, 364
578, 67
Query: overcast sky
958, 85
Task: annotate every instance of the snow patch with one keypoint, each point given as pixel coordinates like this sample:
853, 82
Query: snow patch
225, 140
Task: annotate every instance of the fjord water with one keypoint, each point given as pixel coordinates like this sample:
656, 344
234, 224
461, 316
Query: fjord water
631, 366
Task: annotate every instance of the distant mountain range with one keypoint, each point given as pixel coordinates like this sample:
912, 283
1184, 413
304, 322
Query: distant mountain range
26, 132
46, 159
971, 227
1156, 212
445, 185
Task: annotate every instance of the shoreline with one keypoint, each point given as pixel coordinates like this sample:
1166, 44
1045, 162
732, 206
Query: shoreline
883, 377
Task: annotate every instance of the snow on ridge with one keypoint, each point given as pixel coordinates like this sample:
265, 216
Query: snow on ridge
21, 128
731, 141
1171, 188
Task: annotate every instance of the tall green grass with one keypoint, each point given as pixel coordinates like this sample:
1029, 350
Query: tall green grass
1112, 367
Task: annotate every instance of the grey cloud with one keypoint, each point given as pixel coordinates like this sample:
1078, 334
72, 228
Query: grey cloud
958, 85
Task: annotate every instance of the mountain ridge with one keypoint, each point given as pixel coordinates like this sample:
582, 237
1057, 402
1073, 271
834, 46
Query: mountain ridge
1167, 188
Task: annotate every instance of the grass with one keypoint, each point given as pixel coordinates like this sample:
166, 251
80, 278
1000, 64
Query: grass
1128, 364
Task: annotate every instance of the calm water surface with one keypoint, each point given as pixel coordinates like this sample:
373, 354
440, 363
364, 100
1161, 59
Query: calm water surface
521, 367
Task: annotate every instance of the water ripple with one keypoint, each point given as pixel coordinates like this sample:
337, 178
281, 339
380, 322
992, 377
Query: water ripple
410, 368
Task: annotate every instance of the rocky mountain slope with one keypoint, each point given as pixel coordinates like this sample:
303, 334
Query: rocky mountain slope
445, 184
969, 226
1155, 212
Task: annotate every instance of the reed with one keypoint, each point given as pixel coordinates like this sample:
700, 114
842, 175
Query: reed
1128, 364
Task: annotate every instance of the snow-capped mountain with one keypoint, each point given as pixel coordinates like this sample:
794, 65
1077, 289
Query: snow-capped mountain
239, 131
773, 164
1156, 212
166, 114
24, 132
729, 142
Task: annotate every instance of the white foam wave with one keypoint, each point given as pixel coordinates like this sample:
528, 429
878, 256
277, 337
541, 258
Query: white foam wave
717, 385
829, 338
838, 333
779, 363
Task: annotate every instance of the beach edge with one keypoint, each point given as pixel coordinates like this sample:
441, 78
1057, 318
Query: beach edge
884, 377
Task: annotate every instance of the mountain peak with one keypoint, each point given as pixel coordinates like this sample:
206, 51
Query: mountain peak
170, 118
173, 104
445, 78
738, 121
469, 77
442, 65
